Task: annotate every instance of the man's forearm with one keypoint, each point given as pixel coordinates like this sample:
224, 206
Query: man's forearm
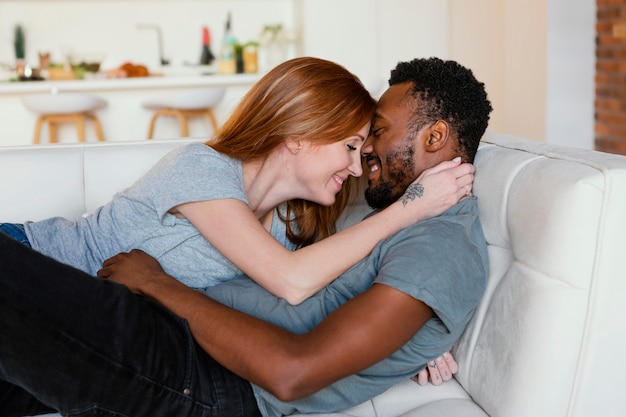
258, 351
289, 365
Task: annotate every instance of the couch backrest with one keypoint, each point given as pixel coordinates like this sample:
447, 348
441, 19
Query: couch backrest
42, 181
550, 334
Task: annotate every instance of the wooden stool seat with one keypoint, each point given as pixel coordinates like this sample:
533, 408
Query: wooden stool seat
58, 108
184, 105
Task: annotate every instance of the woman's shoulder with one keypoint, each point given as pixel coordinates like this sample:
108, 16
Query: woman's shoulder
201, 149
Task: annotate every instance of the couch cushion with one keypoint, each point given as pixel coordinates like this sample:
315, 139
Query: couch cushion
42, 182
109, 169
70, 180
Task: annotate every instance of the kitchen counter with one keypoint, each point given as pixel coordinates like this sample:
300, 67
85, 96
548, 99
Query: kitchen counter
139, 83
124, 118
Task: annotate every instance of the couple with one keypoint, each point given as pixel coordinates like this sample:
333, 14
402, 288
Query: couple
204, 212
327, 353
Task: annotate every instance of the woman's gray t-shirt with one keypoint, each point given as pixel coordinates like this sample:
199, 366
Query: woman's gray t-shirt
138, 218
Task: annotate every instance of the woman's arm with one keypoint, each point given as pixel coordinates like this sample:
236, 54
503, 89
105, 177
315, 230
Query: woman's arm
296, 275
358, 334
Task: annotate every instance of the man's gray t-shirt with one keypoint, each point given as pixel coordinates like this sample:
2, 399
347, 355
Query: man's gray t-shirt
138, 218
441, 261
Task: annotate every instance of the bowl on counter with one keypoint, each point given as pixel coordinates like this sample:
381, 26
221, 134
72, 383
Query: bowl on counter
85, 63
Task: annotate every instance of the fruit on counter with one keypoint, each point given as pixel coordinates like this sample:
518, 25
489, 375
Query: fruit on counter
128, 70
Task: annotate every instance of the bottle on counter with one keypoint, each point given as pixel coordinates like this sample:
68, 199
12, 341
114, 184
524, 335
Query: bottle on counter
19, 44
251, 57
207, 57
228, 58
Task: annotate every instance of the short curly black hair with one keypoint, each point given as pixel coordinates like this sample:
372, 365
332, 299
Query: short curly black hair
448, 91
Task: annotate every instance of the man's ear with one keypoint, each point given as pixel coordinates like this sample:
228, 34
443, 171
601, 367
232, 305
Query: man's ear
438, 135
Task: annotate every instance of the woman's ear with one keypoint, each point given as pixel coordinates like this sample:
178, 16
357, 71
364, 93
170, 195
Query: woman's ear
438, 135
294, 145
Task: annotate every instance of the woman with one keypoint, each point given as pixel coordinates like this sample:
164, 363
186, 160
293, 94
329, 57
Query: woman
282, 164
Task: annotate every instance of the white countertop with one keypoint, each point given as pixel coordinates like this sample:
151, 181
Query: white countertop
179, 81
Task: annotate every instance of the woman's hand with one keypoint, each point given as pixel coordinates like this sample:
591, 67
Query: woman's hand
440, 188
438, 371
135, 269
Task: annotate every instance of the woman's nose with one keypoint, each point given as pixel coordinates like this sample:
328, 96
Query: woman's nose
356, 167
367, 147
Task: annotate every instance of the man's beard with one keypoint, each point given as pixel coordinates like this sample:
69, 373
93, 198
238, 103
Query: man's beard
380, 196
401, 174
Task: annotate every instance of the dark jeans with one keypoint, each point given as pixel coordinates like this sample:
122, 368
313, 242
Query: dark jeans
16, 231
89, 347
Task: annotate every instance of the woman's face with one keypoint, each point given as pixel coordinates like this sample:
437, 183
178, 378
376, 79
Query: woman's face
322, 169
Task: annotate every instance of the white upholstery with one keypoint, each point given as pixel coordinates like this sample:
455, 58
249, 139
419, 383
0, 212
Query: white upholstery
549, 335
63, 103
202, 98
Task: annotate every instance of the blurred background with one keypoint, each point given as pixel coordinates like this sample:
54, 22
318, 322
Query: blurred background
538, 58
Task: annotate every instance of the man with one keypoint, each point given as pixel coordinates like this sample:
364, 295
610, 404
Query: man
377, 324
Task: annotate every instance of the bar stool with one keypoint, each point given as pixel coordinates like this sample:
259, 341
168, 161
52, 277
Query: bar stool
58, 108
184, 105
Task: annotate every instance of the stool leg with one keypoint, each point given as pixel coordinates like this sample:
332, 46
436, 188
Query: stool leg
79, 120
97, 126
38, 130
212, 119
184, 130
52, 126
155, 116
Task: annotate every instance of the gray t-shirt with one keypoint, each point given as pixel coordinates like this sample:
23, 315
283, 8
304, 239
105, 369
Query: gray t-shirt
138, 218
441, 261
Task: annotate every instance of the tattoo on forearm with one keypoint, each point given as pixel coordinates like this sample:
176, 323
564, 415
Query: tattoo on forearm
412, 192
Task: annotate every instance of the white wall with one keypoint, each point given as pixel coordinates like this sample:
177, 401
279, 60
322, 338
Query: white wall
369, 37
571, 72
536, 57
538, 60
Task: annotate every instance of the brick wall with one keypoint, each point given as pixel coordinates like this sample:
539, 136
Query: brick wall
610, 104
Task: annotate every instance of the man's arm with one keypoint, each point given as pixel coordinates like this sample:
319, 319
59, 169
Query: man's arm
358, 334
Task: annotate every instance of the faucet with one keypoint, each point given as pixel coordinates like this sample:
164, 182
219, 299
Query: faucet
157, 28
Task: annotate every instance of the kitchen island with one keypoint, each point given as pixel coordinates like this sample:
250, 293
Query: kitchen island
124, 119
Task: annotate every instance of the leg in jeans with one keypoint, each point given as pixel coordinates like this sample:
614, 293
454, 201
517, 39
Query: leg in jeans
15, 401
16, 231
87, 346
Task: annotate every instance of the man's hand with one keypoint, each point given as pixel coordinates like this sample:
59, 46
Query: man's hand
134, 269
438, 371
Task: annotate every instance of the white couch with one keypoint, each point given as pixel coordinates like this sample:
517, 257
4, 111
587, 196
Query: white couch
548, 338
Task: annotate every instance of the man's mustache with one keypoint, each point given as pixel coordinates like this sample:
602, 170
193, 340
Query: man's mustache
371, 157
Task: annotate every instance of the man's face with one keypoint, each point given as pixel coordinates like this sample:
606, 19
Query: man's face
394, 155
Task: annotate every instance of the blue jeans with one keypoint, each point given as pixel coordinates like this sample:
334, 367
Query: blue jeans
89, 347
16, 231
